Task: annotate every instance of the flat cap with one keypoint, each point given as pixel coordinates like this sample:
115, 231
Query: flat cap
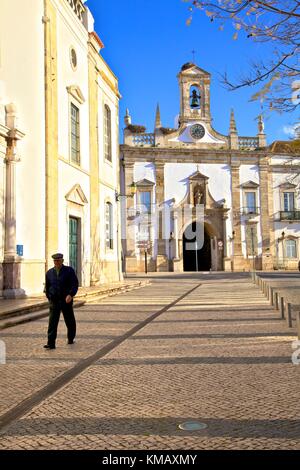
57, 256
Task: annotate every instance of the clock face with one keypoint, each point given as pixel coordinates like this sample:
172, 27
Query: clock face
197, 131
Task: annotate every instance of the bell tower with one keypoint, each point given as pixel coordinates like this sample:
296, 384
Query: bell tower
194, 84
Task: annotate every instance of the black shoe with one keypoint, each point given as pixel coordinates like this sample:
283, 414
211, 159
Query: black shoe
71, 341
49, 346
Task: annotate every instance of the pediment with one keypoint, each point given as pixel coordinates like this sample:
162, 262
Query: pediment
192, 69
287, 185
144, 182
249, 185
198, 176
76, 92
76, 195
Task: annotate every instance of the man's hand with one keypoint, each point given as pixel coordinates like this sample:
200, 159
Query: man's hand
68, 299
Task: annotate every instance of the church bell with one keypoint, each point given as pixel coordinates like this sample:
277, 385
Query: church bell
195, 103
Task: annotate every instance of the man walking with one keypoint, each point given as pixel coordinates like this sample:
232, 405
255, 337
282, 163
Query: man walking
61, 286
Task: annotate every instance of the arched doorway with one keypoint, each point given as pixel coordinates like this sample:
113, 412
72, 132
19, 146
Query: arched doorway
196, 260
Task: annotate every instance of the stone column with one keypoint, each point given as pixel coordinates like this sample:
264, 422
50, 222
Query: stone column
127, 216
162, 264
12, 262
271, 216
95, 273
238, 259
267, 258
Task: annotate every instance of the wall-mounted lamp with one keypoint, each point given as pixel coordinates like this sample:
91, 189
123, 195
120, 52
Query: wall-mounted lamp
132, 192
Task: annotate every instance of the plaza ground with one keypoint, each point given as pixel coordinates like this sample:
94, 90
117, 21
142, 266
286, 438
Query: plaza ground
189, 347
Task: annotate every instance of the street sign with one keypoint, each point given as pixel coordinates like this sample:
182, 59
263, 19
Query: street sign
220, 244
144, 244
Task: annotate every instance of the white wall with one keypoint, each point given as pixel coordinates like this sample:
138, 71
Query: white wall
72, 34
144, 170
289, 228
250, 173
22, 82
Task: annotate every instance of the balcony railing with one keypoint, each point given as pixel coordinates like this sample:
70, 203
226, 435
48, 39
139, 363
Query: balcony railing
250, 211
78, 8
141, 210
288, 215
141, 140
248, 143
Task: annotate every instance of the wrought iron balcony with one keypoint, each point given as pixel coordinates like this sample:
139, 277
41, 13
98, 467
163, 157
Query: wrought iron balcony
250, 211
288, 215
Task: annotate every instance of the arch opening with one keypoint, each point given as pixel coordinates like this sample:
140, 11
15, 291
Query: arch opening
200, 259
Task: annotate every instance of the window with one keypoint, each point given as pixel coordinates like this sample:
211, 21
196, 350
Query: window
290, 249
109, 225
73, 58
250, 201
288, 201
107, 133
75, 135
144, 201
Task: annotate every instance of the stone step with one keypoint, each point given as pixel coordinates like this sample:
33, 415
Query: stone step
41, 310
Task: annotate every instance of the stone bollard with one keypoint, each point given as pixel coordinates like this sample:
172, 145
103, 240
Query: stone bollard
298, 324
282, 307
271, 290
276, 301
289, 321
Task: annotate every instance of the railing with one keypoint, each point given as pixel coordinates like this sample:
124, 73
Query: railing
248, 143
288, 215
78, 8
143, 139
250, 211
143, 211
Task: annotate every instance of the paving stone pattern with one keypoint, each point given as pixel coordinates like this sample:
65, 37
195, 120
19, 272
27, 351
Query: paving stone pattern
220, 356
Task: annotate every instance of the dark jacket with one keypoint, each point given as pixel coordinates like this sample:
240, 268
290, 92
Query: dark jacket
59, 286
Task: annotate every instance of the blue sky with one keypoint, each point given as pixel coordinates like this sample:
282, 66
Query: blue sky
147, 42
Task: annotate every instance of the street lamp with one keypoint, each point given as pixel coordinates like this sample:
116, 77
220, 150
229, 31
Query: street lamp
171, 238
231, 239
252, 245
133, 188
282, 238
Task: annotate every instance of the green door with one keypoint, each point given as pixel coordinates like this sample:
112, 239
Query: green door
73, 243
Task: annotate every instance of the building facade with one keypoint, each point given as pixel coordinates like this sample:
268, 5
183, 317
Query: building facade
59, 152
247, 191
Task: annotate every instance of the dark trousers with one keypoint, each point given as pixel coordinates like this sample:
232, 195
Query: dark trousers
54, 314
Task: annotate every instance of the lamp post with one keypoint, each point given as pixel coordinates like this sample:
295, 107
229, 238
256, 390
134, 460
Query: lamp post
171, 238
282, 238
252, 245
196, 252
133, 188
231, 239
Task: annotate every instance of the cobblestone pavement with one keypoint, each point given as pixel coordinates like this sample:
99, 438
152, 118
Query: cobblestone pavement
220, 356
